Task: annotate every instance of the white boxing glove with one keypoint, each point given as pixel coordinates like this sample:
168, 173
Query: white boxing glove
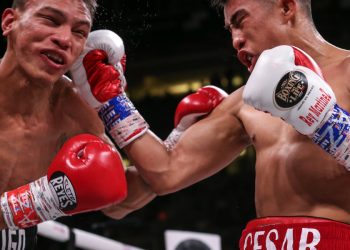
113, 45
288, 83
99, 77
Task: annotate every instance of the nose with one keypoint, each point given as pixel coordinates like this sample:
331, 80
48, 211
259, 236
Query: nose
62, 38
237, 40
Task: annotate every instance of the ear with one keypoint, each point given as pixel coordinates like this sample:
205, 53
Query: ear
7, 21
288, 9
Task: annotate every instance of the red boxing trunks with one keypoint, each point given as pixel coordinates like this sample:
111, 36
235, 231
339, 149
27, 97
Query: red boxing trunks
295, 233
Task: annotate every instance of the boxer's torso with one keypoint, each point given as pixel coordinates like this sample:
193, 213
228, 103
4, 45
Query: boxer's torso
28, 142
294, 176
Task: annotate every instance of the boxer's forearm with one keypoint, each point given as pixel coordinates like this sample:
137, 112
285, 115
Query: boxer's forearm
195, 156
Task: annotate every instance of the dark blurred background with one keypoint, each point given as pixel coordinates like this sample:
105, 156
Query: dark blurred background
173, 48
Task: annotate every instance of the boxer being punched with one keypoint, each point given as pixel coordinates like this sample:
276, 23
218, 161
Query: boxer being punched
302, 178
42, 177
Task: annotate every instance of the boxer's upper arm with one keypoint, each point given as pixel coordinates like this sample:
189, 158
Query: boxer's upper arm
204, 149
347, 72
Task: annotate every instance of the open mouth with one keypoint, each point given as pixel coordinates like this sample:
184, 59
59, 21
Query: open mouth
247, 59
54, 57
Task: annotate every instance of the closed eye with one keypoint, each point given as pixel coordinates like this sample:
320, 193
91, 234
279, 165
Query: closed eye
237, 22
81, 33
50, 20
237, 19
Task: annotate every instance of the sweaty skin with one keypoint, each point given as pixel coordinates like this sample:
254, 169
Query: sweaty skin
40, 108
294, 177
29, 140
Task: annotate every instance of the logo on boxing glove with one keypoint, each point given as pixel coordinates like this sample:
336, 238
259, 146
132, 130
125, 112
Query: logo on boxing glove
290, 90
63, 188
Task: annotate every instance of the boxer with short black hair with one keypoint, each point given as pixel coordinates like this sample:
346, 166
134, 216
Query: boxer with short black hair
56, 158
90, 4
293, 110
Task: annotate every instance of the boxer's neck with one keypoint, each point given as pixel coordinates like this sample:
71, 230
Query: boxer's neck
317, 47
21, 95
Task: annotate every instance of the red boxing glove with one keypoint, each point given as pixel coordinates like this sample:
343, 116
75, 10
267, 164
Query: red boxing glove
85, 175
105, 80
193, 108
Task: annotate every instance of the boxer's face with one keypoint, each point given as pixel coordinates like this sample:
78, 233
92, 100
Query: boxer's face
254, 27
47, 36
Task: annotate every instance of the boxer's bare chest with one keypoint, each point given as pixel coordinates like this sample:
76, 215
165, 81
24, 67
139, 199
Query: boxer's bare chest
27, 146
294, 176
31, 133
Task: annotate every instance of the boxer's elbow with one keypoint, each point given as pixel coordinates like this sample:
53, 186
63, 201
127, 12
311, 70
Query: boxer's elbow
138, 197
166, 178
163, 190
120, 211
116, 213
165, 184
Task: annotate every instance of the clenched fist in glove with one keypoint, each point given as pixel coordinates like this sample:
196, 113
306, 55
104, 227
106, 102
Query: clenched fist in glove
99, 77
85, 175
192, 108
288, 83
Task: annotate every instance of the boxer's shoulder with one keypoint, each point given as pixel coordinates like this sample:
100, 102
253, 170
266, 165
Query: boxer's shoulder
64, 95
233, 103
62, 89
231, 112
337, 73
338, 63
67, 103
346, 64
236, 107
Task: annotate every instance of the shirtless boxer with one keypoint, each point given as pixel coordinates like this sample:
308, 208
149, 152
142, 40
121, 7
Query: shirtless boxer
302, 195
40, 111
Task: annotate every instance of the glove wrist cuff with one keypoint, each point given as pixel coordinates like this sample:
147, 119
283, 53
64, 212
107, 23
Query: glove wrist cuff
333, 135
173, 138
122, 120
29, 205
